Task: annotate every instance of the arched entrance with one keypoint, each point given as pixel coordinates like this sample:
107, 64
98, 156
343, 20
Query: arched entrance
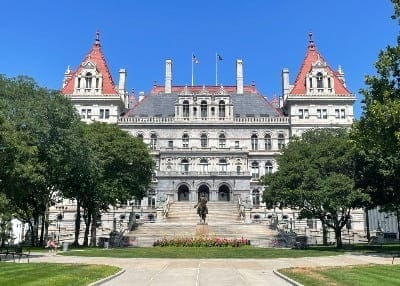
223, 193
183, 193
203, 191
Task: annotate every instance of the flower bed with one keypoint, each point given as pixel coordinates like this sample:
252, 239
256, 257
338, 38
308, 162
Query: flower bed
202, 241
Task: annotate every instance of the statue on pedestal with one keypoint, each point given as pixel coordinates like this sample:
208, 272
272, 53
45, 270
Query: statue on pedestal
202, 209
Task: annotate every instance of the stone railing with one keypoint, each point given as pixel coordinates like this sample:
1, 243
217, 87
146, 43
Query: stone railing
235, 120
201, 174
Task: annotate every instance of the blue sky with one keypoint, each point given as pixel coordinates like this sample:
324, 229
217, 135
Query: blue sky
41, 38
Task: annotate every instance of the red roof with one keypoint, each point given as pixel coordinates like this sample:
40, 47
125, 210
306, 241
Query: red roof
95, 56
312, 56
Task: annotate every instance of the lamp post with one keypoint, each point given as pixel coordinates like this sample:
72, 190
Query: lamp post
59, 219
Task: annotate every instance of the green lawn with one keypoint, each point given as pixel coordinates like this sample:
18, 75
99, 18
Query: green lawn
52, 274
202, 252
366, 275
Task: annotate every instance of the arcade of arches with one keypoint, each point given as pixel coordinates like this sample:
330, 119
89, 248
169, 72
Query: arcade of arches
223, 193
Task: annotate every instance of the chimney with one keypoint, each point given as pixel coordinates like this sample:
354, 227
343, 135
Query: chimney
67, 76
239, 76
285, 83
141, 96
341, 75
168, 76
122, 81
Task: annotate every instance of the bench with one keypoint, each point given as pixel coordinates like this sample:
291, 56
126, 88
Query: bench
15, 251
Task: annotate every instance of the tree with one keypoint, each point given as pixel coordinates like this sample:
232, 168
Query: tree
316, 175
39, 121
377, 133
119, 168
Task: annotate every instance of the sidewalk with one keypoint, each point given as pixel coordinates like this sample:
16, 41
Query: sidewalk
220, 272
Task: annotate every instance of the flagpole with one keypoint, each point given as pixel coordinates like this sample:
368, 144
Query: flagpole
216, 69
192, 66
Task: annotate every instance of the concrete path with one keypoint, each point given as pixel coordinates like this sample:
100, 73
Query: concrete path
198, 272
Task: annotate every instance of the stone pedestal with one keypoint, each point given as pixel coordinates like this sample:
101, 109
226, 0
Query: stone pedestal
202, 229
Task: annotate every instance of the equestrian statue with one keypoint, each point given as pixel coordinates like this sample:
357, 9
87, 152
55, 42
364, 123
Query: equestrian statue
202, 209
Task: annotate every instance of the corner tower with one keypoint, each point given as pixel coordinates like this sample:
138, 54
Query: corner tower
319, 97
92, 90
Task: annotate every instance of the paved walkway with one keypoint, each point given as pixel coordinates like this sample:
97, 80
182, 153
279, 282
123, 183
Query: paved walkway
220, 272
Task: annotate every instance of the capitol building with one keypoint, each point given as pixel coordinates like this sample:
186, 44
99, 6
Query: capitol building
216, 141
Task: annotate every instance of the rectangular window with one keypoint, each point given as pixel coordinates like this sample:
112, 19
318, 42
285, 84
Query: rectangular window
342, 113
301, 115
337, 116
319, 114
237, 144
306, 114
104, 113
107, 114
324, 114
83, 113
170, 144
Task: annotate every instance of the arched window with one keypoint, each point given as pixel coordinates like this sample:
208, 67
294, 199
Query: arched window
204, 140
255, 170
310, 82
268, 142
223, 165
203, 109
88, 80
221, 109
268, 167
204, 165
153, 141
222, 141
185, 166
281, 141
329, 83
186, 109
320, 83
254, 142
185, 141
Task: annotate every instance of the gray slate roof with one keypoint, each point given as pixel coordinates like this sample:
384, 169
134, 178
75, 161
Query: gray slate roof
244, 105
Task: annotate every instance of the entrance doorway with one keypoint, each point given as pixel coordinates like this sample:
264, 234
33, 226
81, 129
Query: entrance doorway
183, 193
223, 193
204, 191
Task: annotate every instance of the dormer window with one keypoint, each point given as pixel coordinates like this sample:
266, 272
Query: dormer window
186, 109
88, 80
203, 109
320, 83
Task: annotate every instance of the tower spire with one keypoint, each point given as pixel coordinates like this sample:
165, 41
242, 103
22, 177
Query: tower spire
97, 41
311, 43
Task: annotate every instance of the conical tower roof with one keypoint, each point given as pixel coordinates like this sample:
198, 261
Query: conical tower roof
96, 57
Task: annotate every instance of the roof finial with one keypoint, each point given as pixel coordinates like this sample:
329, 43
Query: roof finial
97, 42
310, 41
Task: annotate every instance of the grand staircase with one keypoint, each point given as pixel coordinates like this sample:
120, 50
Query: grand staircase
223, 222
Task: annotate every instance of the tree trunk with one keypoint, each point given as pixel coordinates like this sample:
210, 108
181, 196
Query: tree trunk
93, 229
398, 222
35, 229
88, 220
338, 236
367, 224
77, 223
324, 233
42, 229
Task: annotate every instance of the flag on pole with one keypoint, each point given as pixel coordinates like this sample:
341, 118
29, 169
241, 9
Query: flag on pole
195, 60
219, 57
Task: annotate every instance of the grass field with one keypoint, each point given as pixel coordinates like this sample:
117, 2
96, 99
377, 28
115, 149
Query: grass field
201, 252
366, 275
52, 274
226, 252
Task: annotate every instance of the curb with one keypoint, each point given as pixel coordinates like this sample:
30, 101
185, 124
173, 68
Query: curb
284, 277
101, 281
